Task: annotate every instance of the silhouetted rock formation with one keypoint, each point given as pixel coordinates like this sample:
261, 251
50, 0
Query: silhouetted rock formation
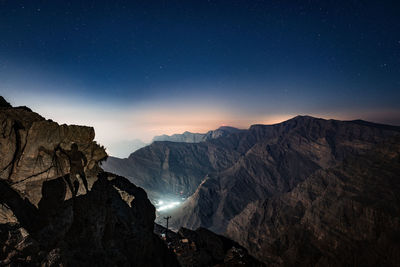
41, 225
250, 170
97, 229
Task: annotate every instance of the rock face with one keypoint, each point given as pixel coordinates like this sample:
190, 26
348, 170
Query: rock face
204, 248
41, 225
188, 137
22, 132
272, 194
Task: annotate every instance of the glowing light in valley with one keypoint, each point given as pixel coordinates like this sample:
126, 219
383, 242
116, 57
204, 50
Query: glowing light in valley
161, 205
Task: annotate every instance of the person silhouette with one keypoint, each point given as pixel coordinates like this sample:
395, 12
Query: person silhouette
77, 163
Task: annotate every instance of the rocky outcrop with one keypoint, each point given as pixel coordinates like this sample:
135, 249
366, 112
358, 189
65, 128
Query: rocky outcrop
41, 225
204, 248
22, 132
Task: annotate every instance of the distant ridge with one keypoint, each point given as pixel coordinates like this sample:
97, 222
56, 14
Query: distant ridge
188, 137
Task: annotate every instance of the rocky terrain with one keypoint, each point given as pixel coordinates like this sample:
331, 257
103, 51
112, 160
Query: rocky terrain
41, 225
296, 193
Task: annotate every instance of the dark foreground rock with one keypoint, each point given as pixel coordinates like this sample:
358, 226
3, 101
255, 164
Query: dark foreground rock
97, 229
204, 248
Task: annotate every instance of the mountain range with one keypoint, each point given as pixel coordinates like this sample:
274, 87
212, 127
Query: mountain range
306, 191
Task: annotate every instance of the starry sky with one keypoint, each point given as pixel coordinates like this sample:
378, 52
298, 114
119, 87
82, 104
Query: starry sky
135, 69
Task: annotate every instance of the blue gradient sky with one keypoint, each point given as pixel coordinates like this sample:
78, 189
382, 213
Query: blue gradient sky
135, 69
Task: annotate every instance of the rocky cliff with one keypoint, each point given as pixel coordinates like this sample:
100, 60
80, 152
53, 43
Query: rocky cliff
40, 224
273, 162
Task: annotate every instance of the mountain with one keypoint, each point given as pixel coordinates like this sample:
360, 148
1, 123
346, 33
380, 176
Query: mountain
42, 225
236, 177
188, 137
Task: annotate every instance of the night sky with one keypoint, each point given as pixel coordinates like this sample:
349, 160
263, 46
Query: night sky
135, 69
